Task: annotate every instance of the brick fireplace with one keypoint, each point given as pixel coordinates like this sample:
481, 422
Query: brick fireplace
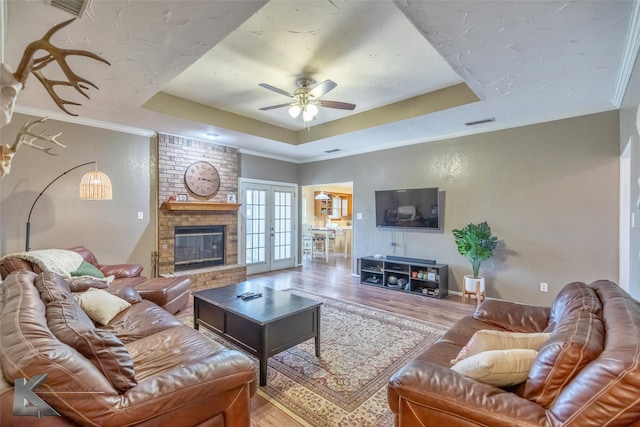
175, 154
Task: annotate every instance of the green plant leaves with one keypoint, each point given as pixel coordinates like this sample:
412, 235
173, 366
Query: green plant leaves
476, 243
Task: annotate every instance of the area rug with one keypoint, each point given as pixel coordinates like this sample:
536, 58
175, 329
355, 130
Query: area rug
361, 348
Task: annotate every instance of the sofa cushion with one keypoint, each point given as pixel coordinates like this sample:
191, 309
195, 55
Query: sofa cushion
68, 322
141, 320
128, 294
605, 392
100, 305
499, 368
573, 296
485, 340
576, 340
81, 284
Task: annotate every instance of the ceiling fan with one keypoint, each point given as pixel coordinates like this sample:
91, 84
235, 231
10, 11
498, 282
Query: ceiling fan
305, 99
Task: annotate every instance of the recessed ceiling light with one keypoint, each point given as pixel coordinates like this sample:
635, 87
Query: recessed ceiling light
212, 135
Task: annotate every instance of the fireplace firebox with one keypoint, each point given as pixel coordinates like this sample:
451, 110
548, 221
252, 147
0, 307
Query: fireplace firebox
198, 246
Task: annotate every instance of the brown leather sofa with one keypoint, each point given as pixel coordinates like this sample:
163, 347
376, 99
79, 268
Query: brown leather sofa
143, 368
586, 374
170, 293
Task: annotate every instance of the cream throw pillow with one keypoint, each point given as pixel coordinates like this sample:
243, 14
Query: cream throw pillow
486, 339
498, 368
100, 305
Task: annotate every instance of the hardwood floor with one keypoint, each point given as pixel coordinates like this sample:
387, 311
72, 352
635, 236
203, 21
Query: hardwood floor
334, 280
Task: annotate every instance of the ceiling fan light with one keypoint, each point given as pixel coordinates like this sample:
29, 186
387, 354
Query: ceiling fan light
312, 109
307, 116
294, 111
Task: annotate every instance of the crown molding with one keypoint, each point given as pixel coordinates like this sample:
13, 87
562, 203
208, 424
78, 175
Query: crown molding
83, 121
629, 56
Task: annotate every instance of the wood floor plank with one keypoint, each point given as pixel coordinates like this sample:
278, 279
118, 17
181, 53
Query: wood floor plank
334, 280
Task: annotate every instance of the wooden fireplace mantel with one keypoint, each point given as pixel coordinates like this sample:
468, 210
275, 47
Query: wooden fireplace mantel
199, 206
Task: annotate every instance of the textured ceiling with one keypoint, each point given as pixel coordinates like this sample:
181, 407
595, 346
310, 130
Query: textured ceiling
417, 70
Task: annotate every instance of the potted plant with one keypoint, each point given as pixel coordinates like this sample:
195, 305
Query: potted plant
476, 243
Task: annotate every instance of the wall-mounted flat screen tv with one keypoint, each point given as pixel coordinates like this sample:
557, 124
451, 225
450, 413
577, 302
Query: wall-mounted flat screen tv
409, 208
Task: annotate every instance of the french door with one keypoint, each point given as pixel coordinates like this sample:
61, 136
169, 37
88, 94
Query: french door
269, 213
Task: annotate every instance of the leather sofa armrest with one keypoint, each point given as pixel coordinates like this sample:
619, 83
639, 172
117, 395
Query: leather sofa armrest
513, 316
121, 271
439, 394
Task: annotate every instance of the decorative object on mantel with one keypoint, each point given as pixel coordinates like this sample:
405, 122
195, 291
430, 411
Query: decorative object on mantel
202, 179
476, 243
171, 205
181, 197
231, 197
95, 185
26, 136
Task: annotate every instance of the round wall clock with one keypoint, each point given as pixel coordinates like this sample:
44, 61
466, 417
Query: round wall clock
202, 179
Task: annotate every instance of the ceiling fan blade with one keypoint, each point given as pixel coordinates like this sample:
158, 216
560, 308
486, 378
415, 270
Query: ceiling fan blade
276, 90
337, 104
322, 88
273, 107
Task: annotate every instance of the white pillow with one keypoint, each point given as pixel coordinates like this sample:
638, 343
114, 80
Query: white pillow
499, 368
486, 339
100, 305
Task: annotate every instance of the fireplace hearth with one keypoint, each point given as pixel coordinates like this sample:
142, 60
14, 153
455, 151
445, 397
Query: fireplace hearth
198, 246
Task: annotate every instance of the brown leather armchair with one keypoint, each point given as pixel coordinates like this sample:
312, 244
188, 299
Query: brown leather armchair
586, 374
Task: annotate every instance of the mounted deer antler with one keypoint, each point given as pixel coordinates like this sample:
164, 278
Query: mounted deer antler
27, 137
10, 85
34, 65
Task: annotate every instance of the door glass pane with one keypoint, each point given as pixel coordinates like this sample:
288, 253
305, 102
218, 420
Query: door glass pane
256, 224
282, 225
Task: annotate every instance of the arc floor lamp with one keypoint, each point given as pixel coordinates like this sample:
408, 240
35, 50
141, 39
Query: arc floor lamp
95, 185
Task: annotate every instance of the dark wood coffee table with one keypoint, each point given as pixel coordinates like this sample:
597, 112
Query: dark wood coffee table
263, 326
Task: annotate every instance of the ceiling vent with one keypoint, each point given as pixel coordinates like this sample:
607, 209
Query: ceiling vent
479, 122
74, 7
332, 151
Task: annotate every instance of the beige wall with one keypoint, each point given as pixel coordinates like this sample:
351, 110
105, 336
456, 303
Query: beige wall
255, 167
549, 192
60, 219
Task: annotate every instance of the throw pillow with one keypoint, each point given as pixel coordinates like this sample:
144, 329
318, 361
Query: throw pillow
81, 284
486, 339
100, 305
87, 269
499, 368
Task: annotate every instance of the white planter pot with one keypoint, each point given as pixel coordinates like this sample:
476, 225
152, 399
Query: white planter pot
471, 284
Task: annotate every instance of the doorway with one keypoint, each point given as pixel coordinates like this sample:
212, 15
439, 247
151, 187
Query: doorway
267, 227
334, 212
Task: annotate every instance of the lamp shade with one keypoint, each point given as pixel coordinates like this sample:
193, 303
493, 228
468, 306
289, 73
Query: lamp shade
95, 185
322, 196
